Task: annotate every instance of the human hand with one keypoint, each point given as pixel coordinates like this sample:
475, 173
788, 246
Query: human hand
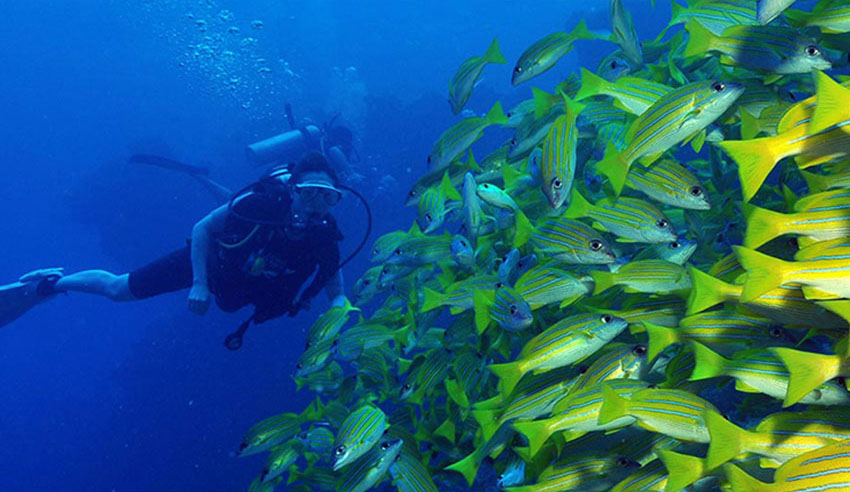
199, 299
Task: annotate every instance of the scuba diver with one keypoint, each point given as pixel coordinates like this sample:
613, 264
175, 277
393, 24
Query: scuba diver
274, 245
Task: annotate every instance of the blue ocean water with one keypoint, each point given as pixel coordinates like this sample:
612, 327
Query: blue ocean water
99, 396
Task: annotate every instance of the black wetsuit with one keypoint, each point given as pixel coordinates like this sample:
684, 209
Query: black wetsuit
252, 263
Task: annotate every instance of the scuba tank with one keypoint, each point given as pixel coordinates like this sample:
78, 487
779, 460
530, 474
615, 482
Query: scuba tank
286, 146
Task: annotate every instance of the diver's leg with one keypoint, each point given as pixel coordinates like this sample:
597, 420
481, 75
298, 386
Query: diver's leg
99, 282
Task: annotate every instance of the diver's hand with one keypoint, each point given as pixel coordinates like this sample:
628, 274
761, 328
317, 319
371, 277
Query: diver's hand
199, 299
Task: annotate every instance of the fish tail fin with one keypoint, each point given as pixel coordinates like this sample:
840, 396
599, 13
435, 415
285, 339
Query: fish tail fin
578, 207
707, 291
496, 115
740, 481
727, 440
509, 375
750, 124
660, 337
446, 430
613, 407
682, 469
613, 167
808, 371
571, 107
582, 32
456, 392
816, 182
510, 175
448, 189
523, 229
762, 225
488, 421
676, 14
755, 160
481, 307
537, 432
707, 364
543, 102
764, 273
468, 467
699, 39
832, 102
433, 300
591, 85
494, 54
602, 281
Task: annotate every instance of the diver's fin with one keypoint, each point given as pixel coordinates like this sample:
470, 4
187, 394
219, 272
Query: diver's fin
19, 297
166, 163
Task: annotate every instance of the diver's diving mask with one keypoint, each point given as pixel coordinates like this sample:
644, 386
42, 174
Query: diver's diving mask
318, 192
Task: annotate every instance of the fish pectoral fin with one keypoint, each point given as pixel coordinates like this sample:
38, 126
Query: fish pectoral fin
744, 387
813, 293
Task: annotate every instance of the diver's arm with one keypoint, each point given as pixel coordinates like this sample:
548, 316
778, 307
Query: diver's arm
202, 234
334, 290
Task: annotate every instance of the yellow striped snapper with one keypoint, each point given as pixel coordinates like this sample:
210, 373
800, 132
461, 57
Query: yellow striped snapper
558, 163
668, 182
573, 242
545, 53
760, 371
773, 49
647, 276
460, 136
672, 412
628, 218
578, 414
821, 469
633, 94
370, 469
547, 284
779, 437
568, 341
359, 433
466, 77
593, 474
677, 115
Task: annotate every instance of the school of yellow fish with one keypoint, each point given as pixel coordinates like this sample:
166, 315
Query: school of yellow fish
644, 289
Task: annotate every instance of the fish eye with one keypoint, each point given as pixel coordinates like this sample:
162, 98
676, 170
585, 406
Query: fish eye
639, 350
513, 309
428, 217
622, 462
366, 282
413, 192
299, 366
429, 159
607, 318
385, 446
595, 245
675, 245
557, 183
501, 476
339, 450
406, 386
385, 271
513, 141
517, 69
583, 368
308, 344
652, 386
696, 191
397, 252
499, 285
613, 63
718, 86
812, 50
776, 332
662, 223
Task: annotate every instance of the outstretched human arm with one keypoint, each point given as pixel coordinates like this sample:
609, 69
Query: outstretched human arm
202, 233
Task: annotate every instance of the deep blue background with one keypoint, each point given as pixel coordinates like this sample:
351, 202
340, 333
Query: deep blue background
98, 396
